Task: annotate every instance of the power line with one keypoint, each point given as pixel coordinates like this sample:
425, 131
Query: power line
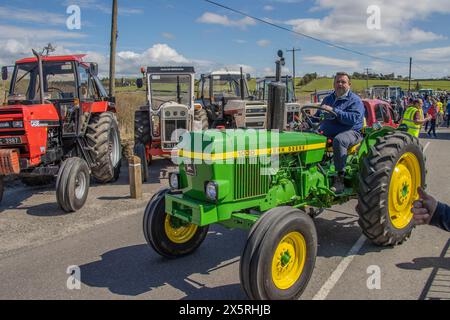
303, 34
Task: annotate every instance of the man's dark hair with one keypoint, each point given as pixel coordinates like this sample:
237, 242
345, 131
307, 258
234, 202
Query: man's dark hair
341, 74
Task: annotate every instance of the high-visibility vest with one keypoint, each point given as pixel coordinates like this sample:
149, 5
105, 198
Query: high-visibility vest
408, 120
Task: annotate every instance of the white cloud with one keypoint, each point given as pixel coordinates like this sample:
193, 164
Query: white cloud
332, 62
268, 8
440, 54
240, 41
346, 21
34, 16
168, 35
212, 18
263, 43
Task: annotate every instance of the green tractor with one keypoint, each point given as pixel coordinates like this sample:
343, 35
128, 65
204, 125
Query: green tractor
273, 184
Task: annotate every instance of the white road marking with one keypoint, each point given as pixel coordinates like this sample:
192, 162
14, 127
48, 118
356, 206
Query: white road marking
336, 275
426, 146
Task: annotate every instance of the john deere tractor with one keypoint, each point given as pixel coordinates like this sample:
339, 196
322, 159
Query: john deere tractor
273, 183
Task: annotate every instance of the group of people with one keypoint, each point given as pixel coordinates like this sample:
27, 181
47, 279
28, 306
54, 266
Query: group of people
345, 129
431, 112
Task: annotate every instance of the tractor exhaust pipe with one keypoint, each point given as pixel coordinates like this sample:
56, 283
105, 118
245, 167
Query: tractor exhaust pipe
41, 75
242, 86
276, 108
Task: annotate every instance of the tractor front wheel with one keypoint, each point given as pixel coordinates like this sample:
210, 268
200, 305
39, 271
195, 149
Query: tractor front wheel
167, 235
280, 254
139, 151
72, 184
390, 175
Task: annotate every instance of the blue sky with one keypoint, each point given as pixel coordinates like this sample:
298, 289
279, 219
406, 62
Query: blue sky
194, 32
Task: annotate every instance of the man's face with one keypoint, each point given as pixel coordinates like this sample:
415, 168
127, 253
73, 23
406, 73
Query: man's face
341, 85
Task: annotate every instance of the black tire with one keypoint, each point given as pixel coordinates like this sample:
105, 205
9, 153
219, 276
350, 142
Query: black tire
72, 184
264, 240
139, 151
103, 139
391, 153
142, 127
155, 231
38, 181
201, 115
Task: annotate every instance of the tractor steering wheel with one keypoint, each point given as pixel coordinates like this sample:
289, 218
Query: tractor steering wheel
329, 115
60, 92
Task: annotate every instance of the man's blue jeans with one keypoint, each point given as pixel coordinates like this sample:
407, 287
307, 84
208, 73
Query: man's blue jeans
341, 143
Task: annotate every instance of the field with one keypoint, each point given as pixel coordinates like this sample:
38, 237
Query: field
361, 85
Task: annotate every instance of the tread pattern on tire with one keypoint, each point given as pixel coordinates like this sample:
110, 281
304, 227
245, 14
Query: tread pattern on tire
142, 127
97, 136
374, 180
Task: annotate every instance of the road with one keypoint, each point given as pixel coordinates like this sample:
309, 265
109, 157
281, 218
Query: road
38, 243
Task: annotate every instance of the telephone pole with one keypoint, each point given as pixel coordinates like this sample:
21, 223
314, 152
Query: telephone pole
409, 80
112, 56
367, 77
293, 62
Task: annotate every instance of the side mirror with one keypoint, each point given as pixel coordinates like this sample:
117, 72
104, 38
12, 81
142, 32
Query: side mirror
4, 73
248, 76
93, 68
139, 83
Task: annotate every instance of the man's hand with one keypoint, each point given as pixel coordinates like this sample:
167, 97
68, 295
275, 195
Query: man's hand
424, 208
327, 108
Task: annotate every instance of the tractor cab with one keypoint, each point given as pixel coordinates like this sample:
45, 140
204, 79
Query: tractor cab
59, 121
216, 92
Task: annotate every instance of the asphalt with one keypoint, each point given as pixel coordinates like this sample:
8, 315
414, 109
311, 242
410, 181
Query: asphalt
39, 243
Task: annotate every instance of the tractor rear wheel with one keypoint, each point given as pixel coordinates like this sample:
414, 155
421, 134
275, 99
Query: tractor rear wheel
139, 151
201, 115
390, 175
167, 235
142, 127
280, 254
72, 184
103, 138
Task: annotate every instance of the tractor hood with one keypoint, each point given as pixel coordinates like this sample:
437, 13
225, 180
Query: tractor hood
215, 145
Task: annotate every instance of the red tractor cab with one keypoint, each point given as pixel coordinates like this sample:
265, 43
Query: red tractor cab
380, 111
58, 121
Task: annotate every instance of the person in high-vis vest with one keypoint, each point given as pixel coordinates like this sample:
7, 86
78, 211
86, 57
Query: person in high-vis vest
413, 118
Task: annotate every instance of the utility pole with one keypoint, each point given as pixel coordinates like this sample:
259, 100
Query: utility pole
112, 57
293, 62
367, 78
409, 82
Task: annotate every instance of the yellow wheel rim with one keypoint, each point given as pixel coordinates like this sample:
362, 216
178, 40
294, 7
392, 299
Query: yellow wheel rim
405, 180
177, 231
288, 260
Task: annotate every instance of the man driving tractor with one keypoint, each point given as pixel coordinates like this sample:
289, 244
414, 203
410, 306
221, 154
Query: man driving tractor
345, 127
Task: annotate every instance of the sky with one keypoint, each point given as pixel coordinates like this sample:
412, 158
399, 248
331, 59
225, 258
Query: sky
208, 37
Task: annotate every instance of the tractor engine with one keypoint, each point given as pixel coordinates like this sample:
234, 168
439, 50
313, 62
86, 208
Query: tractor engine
32, 132
244, 169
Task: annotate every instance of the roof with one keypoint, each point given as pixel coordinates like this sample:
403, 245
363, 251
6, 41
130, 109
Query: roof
220, 72
174, 69
74, 57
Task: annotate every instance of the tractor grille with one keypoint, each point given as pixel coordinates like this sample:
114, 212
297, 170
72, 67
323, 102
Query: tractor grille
171, 126
249, 181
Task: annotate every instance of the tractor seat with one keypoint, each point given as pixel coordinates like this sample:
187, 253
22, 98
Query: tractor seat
352, 150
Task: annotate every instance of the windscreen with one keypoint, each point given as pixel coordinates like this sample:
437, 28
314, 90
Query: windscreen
169, 87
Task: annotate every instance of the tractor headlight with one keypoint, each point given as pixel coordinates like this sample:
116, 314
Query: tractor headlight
17, 124
174, 180
211, 190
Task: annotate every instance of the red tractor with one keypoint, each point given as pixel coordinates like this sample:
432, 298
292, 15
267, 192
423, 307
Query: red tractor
58, 121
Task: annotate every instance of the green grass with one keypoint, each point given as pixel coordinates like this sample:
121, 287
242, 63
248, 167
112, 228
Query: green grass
361, 85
